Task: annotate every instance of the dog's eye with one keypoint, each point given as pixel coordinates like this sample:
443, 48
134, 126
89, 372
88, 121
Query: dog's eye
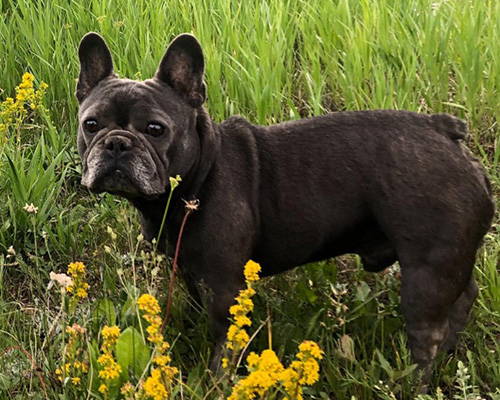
91, 125
154, 129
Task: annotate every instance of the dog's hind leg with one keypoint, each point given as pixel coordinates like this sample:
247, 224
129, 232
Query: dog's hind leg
459, 314
429, 291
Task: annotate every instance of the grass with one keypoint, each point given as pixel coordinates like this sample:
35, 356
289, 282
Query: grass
268, 61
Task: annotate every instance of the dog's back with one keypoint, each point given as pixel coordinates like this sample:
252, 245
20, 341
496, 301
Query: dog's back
340, 183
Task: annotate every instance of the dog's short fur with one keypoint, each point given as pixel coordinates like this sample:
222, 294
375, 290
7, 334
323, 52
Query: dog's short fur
387, 185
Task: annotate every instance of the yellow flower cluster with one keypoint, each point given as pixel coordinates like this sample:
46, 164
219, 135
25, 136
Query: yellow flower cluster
13, 112
109, 368
79, 286
74, 366
154, 387
267, 372
251, 271
157, 384
237, 336
148, 304
304, 371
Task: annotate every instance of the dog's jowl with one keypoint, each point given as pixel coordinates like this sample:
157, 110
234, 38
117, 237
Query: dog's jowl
387, 185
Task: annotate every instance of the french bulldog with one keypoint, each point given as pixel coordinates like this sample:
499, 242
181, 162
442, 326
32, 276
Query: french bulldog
387, 185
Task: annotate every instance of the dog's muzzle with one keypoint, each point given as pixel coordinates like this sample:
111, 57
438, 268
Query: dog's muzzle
118, 163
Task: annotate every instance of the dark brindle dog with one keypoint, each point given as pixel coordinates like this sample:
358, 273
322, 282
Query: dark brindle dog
387, 185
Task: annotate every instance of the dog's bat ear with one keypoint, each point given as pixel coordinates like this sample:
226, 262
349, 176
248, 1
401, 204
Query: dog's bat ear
182, 68
95, 64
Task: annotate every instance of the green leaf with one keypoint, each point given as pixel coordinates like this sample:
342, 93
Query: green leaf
385, 365
362, 291
305, 293
127, 309
405, 372
313, 322
106, 308
131, 352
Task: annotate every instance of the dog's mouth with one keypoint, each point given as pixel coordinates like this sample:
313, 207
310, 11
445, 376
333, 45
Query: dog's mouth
114, 181
122, 181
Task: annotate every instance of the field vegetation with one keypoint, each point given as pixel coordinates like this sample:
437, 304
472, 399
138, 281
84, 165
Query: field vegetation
268, 61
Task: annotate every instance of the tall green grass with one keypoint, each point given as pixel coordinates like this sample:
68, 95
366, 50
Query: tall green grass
268, 61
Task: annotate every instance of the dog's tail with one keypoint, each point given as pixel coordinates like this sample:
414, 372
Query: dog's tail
453, 127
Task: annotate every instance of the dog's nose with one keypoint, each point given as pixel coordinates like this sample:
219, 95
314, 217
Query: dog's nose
117, 144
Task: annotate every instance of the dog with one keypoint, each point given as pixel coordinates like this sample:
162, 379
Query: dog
387, 185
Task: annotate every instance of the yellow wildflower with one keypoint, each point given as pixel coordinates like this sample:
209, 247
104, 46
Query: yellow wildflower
13, 112
67, 367
266, 372
75, 366
109, 368
110, 333
268, 376
305, 371
103, 388
242, 320
59, 374
76, 268
252, 359
148, 304
168, 372
154, 388
237, 337
78, 287
308, 348
154, 332
310, 372
289, 379
162, 360
156, 385
252, 270
84, 367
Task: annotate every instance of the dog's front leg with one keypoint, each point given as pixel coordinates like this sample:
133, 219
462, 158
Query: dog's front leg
219, 289
214, 252
218, 284
218, 312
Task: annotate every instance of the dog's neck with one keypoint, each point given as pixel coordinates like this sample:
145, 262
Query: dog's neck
209, 136
152, 210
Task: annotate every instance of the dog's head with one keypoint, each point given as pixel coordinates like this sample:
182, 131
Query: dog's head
133, 135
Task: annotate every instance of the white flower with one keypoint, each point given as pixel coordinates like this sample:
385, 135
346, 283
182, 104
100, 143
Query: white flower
11, 251
30, 208
62, 279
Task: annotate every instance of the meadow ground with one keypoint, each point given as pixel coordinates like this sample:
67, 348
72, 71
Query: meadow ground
268, 61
